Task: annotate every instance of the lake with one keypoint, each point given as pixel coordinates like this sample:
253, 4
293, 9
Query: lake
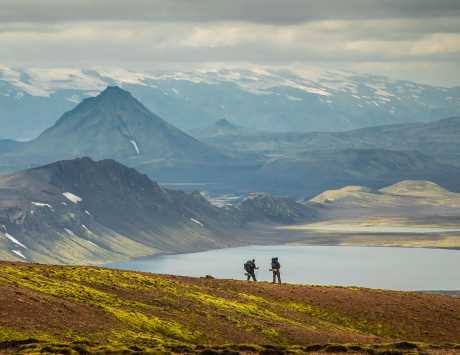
374, 267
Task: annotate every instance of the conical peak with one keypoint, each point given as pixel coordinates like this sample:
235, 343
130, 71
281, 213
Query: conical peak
114, 97
224, 123
114, 91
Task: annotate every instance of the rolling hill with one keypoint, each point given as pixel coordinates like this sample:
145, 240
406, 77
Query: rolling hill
410, 202
410, 194
77, 310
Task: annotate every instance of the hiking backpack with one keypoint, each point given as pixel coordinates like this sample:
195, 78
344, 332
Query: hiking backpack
275, 263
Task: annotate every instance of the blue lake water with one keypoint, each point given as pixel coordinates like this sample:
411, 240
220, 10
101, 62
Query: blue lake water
374, 267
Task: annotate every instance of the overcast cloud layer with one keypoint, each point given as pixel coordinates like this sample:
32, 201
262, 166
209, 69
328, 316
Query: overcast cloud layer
410, 39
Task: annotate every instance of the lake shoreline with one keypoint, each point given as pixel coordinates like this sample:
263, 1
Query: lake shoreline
283, 244
369, 267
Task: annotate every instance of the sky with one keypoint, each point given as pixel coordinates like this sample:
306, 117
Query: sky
405, 39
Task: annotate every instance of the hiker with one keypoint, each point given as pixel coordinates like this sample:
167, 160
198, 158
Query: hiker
276, 266
250, 268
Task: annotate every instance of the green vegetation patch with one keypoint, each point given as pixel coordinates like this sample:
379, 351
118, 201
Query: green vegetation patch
248, 309
341, 320
12, 335
109, 278
126, 311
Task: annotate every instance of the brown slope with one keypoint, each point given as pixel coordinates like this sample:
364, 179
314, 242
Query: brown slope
165, 312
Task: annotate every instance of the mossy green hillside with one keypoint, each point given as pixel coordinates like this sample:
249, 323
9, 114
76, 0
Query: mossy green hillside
163, 313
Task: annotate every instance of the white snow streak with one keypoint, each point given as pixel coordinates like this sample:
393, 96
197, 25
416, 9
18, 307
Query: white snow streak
15, 241
136, 148
86, 228
91, 243
70, 232
293, 98
18, 253
72, 198
40, 204
197, 222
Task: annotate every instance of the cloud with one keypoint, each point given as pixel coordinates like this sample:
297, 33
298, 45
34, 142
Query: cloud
221, 41
257, 11
147, 33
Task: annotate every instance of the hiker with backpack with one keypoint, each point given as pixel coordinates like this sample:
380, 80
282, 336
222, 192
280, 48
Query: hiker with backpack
250, 268
276, 266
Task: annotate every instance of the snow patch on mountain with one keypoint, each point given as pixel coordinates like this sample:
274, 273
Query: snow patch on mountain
72, 198
256, 80
86, 228
44, 82
293, 98
135, 146
40, 204
14, 240
70, 232
197, 222
18, 253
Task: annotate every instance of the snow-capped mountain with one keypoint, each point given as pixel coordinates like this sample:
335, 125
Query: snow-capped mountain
258, 98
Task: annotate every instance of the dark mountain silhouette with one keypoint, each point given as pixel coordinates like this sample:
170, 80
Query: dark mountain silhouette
93, 212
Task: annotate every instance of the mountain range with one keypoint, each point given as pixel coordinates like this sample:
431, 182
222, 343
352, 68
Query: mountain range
437, 139
232, 158
83, 211
259, 98
313, 172
374, 157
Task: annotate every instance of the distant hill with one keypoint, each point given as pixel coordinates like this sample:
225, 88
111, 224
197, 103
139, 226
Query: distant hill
264, 207
82, 211
221, 127
411, 195
417, 189
65, 310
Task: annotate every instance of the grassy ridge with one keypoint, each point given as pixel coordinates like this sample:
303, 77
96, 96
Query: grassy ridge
66, 309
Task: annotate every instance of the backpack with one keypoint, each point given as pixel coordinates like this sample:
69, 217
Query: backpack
275, 263
247, 266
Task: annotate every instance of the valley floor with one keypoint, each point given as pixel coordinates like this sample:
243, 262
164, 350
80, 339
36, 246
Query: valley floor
378, 231
72, 310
